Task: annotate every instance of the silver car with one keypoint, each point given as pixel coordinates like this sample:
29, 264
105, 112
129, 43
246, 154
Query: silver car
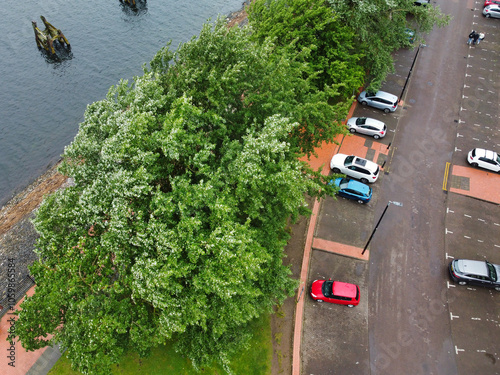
368, 126
492, 11
475, 272
380, 99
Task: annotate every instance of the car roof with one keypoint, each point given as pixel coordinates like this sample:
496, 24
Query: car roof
358, 186
365, 163
475, 267
481, 152
342, 289
368, 121
385, 95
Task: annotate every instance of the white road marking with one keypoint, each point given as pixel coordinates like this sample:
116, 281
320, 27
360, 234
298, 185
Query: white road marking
448, 210
467, 215
458, 350
476, 318
453, 316
467, 237
449, 256
447, 231
481, 220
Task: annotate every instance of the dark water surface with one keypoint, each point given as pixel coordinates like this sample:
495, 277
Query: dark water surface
42, 101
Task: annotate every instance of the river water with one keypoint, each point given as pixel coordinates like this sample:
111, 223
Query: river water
42, 101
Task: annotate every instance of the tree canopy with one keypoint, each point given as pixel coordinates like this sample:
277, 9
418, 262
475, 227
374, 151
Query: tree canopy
312, 25
380, 27
184, 185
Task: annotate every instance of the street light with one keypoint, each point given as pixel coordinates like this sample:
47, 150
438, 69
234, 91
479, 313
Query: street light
379, 220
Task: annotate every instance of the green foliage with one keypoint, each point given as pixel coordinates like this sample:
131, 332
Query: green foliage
252, 360
184, 184
380, 28
309, 25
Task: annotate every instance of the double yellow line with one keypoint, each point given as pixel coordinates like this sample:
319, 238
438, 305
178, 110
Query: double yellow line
446, 174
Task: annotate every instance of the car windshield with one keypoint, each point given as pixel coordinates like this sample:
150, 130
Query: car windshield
344, 183
327, 289
348, 160
360, 120
493, 272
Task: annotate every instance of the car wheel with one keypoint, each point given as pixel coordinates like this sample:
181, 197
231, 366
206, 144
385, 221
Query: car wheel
474, 165
497, 288
363, 103
336, 170
360, 201
386, 110
376, 136
364, 180
350, 305
352, 130
462, 283
487, 16
319, 300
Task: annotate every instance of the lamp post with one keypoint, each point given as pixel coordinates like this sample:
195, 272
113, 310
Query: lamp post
379, 220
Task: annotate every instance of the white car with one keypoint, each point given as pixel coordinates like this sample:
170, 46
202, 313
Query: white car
354, 166
368, 126
479, 157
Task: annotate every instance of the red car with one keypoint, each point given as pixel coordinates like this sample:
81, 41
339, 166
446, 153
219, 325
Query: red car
335, 292
491, 2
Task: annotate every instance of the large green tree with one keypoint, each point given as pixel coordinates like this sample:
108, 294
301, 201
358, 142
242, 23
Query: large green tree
184, 185
312, 25
380, 27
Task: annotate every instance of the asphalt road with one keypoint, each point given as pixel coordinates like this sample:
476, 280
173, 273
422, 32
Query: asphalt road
411, 325
412, 318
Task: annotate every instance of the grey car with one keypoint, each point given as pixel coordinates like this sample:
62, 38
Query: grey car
492, 11
366, 125
475, 272
380, 99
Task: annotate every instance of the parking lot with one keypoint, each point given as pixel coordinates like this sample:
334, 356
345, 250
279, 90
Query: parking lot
426, 308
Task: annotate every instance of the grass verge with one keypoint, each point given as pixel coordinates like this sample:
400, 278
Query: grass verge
256, 360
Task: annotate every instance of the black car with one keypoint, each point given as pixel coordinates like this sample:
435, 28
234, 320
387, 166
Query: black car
475, 272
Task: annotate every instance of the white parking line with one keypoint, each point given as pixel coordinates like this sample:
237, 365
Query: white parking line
476, 318
467, 215
458, 350
480, 241
449, 256
448, 210
453, 316
449, 285
447, 231
467, 237
484, 221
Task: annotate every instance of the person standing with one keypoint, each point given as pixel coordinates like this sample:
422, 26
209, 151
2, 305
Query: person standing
471, 37
481, 37
476, 38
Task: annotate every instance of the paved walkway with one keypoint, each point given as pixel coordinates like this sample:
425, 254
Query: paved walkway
15, 360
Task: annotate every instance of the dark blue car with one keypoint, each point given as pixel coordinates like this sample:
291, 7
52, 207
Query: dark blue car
353, 189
